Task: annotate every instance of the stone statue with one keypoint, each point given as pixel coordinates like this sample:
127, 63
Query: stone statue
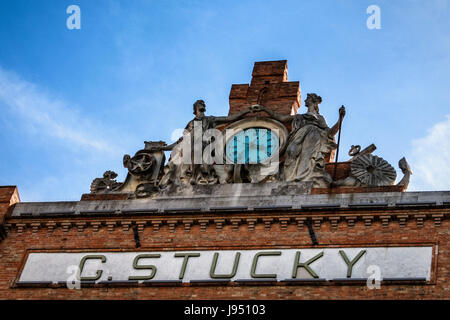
303, 154
179, 173
367, 170
145, 168
407, 172
106, 184
373, 171
309, 141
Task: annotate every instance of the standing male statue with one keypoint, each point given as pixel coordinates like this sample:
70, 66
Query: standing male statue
196, 171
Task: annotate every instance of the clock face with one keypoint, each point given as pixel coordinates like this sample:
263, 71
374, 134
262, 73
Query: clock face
252, 145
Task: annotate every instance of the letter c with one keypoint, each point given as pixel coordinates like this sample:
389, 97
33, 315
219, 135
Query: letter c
255, 262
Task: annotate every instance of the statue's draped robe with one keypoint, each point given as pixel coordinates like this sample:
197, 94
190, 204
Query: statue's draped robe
181, 169
307, 144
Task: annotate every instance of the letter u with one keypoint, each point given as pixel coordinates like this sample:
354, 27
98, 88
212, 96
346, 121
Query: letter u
224, 276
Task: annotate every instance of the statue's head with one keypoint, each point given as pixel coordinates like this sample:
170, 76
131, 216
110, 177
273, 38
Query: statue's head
199, 107
312, 101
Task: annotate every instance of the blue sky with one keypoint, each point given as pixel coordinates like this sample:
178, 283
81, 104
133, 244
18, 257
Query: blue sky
72, 102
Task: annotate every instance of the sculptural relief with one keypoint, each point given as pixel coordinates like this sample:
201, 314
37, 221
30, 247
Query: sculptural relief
105, 184
373, 171
368, 170
195, 171
309, 141
259, 149
144, 169
407, 172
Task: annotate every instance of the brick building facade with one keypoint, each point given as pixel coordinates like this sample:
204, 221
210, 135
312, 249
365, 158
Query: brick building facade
260, 218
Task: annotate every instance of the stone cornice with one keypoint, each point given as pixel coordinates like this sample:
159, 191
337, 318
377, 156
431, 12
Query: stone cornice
235, 220
219, 210
228, 200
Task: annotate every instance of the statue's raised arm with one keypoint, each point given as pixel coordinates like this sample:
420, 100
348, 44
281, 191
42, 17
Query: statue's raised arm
234, 116
277, 116
338, 124
171, 146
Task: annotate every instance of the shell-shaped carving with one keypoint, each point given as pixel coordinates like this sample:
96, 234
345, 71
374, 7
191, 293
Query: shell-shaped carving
373, 171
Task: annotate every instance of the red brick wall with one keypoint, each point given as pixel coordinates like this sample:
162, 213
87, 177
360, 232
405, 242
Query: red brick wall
277, 230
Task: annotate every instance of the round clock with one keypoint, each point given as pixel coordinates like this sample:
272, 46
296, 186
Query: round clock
254, 140
252, 145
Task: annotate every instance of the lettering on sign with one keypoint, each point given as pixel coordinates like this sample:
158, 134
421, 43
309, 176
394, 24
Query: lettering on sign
278, 264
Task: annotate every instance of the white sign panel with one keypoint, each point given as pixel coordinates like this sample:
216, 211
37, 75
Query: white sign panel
279, 264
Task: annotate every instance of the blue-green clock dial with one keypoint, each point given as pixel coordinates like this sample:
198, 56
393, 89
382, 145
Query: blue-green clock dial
253, 145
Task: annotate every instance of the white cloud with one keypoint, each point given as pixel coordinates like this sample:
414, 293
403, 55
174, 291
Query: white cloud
176, 134
51, 117
430, 159
82, 147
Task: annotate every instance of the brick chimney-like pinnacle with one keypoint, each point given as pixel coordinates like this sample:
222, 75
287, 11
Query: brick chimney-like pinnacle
269, 87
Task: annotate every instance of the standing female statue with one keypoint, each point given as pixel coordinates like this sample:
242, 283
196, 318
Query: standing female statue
309, 141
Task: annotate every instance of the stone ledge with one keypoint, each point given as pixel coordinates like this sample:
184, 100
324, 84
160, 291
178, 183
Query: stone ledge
234, 221
225, 282
240, 198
